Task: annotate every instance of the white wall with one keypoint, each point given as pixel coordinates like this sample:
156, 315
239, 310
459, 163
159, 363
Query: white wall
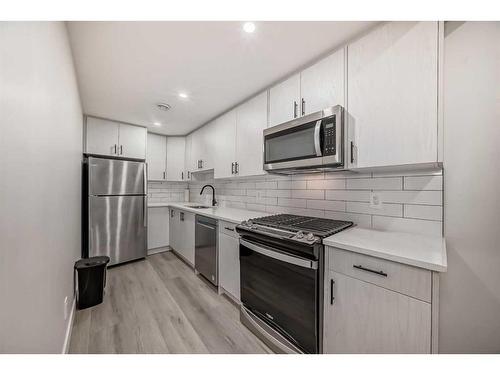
470, 290
40, 155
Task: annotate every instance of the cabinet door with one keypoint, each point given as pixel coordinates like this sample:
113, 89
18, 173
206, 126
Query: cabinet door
284, 101
392, 95
158, 227
322, 84
251, 120
186, 238
229, 264
101, 137
187, 158
175, 158
225, 147
365, 318
197, 151
209, 143
132, 141
157, 157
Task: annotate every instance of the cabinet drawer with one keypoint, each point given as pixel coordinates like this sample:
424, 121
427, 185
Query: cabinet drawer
412, 281
228, 228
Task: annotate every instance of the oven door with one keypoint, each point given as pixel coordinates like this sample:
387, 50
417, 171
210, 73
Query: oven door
282, 290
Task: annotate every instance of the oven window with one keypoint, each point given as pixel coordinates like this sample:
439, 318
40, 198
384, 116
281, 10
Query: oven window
291, 144
283, 294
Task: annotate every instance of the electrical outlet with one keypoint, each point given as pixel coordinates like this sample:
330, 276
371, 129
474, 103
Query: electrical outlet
375, 201
66, 308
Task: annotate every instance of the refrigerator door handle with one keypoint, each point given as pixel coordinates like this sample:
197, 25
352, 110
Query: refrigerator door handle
145, 213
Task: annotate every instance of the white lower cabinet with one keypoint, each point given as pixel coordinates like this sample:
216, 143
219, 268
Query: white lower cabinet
182, 226
362, 316
158, 227
229, 259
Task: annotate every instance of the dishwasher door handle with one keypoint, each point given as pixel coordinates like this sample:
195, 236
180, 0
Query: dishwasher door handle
206, 225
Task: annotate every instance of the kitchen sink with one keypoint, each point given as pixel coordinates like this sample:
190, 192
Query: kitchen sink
198, 206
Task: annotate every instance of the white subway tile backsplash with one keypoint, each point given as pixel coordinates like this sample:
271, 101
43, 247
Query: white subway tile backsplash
412, 197
348, 195
326, 205
387, 209
412, 202
423, 212
292, 202
308, 194
326, 184
423, 183
266, 185
292, 184
433, 228
385, 183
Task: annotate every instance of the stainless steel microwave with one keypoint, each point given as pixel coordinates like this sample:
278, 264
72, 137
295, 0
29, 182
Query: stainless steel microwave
315, 141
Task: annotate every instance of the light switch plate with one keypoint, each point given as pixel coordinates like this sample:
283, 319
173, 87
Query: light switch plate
375, 201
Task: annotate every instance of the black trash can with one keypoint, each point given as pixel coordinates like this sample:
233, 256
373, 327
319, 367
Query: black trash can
91, 281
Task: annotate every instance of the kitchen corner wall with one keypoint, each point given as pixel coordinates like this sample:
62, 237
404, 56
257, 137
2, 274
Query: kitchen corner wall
160, 192
412, 202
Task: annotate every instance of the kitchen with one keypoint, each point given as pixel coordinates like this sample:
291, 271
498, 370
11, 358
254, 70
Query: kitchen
313, 205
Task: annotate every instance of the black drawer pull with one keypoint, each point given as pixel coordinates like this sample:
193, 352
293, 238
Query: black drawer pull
231, 229
332, 297
360, 267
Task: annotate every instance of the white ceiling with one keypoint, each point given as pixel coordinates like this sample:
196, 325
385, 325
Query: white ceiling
125, 68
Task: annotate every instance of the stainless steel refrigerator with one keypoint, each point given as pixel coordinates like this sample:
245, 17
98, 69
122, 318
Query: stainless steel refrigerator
114, 209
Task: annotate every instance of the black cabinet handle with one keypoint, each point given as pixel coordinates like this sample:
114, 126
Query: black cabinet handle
332, 297
352, 152
236, 168
232, 167
182, 175
295, 106
231, 229
303, 107
360, 267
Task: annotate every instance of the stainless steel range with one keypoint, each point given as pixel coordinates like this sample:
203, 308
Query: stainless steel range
281, 275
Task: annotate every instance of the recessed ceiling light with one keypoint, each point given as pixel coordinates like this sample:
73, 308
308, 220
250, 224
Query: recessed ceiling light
156, 123
183, 95
163, 106
249, 27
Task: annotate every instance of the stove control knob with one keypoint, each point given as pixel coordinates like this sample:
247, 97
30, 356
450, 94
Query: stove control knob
310, 237
300, 234
249, 223
244, 223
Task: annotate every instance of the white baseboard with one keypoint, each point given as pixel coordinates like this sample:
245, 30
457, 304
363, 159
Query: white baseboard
69, 328
159, 250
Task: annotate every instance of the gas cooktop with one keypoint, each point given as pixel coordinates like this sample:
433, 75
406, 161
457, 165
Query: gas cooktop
303, 228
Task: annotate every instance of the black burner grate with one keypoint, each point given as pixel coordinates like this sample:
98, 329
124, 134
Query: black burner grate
318, 226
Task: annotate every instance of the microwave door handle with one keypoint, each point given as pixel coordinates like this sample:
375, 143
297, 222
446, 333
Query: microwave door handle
317, 134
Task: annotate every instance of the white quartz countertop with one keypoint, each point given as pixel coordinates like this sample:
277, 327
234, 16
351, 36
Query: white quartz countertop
427, 252
234, 215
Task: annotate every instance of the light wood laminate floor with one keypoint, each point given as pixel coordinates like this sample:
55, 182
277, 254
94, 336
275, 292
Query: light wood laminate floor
158, 305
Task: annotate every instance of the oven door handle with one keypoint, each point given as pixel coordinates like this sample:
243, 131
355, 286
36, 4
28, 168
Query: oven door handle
271, 253
317, 145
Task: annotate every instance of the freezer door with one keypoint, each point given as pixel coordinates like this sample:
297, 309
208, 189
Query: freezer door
116, 177
117, 227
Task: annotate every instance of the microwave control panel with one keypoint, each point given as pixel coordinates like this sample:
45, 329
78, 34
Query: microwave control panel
329, 137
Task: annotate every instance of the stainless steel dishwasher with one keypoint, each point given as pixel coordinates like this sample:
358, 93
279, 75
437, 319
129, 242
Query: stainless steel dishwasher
205, 256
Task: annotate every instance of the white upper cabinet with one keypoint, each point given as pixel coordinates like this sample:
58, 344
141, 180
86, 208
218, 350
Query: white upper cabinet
392, 95
105, 137
101, 137
209, 142
251, 122
132, 141
187, 157
196, 149
225, 145
176, 158
323, 84
157, 157
284, 101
